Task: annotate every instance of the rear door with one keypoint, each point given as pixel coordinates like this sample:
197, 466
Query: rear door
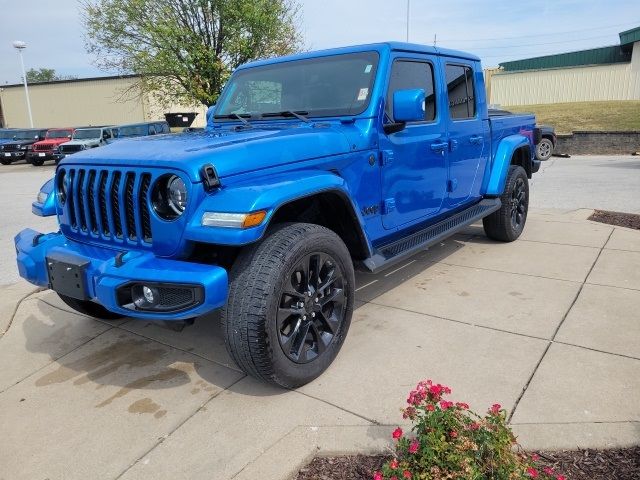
414, 160
468, 132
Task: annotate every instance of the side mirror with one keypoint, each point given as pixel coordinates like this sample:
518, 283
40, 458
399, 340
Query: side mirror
408, 105
68, 136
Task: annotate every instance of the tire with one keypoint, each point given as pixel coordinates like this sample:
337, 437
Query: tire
508, 223
36, 162
90, 309
277, 326
5, 162
544, 149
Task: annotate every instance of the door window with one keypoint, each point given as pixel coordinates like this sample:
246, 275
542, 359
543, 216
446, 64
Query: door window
460, 89
152, 129
409, 74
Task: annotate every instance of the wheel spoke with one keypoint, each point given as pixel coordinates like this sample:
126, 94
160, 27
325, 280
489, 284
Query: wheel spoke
299, 339
319, 339
331, 322
315, 265
287, 312
336, 295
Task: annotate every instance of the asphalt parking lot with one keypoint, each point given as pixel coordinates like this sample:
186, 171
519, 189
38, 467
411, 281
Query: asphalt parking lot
546, 326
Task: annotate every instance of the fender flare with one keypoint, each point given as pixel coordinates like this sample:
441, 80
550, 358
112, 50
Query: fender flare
502, 161
48, 208
270, 195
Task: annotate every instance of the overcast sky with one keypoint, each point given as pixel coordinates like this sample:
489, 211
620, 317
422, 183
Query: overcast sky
496, 30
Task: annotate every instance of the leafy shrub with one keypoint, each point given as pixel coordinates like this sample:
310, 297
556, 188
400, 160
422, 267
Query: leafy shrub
450, 442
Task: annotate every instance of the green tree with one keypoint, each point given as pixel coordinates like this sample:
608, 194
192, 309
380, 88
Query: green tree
44, 75
184, 50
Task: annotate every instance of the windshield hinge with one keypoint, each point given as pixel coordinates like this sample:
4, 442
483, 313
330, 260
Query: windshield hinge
386, 157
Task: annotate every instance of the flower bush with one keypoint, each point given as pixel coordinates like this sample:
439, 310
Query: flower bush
450, 442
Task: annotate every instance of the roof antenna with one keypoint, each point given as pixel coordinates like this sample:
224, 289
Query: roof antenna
435, 39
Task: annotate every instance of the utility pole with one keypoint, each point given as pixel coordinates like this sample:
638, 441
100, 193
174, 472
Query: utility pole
18, 45
408, 17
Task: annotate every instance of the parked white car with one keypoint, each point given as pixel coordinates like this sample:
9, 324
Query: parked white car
85, 138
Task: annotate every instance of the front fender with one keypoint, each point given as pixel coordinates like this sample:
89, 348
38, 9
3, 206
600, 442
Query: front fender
276, 190
48, 207
501, 161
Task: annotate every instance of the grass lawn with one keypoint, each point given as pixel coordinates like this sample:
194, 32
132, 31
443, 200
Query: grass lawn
570, 117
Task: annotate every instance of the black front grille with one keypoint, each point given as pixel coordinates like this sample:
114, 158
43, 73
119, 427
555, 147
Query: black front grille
109, 204
70, 148
10, 147
175, 297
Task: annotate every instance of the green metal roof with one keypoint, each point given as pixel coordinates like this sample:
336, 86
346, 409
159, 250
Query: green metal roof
594, 56
630, 36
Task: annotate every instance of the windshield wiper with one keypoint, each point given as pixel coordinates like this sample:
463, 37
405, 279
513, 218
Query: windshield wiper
239, 116
300, 114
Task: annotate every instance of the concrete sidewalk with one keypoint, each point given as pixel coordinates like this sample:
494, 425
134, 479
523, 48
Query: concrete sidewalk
547, 326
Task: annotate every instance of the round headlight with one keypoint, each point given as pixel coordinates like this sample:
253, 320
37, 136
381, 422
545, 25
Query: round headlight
169, 197
177, 194
63, 186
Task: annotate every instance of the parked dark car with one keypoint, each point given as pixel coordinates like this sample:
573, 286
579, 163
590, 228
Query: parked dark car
547, 144
20, 145
141, 129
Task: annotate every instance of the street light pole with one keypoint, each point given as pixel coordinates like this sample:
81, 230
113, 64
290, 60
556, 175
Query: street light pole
408, 17
18, 45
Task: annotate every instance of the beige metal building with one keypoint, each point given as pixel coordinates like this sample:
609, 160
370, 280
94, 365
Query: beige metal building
607, 73
89, 101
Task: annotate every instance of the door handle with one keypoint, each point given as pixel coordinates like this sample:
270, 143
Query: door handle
439, 147
476, 139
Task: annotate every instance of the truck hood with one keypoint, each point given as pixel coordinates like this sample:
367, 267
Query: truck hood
230, 151
52, 141
88, 142
19, 143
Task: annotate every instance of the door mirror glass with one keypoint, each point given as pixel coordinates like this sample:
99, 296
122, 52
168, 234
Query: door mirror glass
408, 105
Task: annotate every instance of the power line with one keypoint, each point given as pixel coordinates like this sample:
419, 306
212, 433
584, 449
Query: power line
543, 34
537, 44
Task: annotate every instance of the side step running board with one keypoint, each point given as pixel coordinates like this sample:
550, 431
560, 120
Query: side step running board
391, 253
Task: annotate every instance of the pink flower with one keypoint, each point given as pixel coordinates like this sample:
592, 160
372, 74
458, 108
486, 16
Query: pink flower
535, 457
548, 470
453, 434
474, 426
445, 404
414, 446
406, 474
532, 472
394, 478
397, 433
430, 408
378, 476
462, 405
394, 464
561, 477
495, 409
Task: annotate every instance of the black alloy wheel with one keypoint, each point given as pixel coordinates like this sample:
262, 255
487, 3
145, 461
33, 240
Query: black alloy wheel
312, 307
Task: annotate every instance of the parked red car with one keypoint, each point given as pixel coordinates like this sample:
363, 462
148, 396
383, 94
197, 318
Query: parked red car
47, 149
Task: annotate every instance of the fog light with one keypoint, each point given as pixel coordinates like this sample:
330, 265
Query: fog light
148, 294
144, 296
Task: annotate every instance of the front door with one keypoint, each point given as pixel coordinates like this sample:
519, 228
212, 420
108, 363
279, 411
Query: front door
468, 133
414, 160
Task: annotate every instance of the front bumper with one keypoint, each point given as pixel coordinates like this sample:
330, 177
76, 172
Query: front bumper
105, 274
44, 156
13, 156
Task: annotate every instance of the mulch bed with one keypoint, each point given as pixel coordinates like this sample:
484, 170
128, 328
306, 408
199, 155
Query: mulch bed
619, 464
629, 220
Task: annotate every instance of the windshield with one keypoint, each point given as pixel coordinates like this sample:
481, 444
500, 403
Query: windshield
6, 134
25, 134
132, 131
325, 86
84, 134
58, 133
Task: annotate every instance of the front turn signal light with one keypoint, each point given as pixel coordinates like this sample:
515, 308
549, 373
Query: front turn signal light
233, 220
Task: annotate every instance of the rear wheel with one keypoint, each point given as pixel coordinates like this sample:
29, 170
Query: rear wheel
36, 162
5, 162
90, 309
544, 149
508, 223
290, 304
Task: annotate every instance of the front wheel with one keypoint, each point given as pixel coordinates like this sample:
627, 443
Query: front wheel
36, 162
5, 162
507, 223
290, 304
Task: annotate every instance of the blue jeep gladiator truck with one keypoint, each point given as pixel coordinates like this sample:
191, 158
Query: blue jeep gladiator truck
311, 166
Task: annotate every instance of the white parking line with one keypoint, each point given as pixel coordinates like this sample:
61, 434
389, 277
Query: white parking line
363, 286
399, 268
